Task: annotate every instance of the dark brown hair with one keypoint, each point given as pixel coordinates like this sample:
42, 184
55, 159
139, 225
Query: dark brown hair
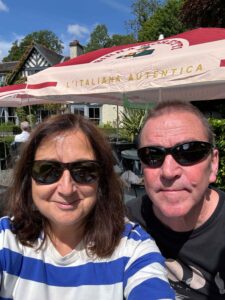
166, 107
105, 223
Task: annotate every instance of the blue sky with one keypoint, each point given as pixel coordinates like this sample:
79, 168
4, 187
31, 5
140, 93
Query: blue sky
69, 20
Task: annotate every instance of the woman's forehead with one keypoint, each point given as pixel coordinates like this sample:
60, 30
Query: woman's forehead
74, 142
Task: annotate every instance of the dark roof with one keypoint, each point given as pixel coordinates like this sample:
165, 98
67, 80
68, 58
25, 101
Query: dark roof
8, 66
52, 57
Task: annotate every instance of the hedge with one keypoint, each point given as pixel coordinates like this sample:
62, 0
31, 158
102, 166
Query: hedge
219, 130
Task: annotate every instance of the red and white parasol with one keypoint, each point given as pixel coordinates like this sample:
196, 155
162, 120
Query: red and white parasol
188, 66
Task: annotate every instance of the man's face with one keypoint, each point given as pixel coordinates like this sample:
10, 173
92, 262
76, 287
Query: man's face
176, 190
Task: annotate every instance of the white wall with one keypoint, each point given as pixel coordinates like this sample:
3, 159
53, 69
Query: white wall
109, 113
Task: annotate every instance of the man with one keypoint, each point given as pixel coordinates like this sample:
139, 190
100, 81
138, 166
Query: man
19, 139
183, 214
24, 135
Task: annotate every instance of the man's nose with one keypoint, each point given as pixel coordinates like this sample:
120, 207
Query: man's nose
66, 184
170, 169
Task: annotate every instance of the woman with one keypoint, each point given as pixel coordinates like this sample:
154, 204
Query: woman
66, 235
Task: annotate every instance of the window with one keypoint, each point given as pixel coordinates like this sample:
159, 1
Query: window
79, 111
94, 114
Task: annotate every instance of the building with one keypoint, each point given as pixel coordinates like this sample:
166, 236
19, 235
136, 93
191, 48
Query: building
38, 58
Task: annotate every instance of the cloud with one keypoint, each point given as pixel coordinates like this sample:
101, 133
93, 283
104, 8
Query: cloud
3, 6
116, 5
6, 45
77, 30
4, 48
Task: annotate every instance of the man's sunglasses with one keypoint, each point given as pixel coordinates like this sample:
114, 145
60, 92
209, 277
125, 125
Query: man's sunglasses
185, 154
50, 171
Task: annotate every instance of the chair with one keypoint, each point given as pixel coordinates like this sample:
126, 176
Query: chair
3, 155
139, 189
118, 166
14, 150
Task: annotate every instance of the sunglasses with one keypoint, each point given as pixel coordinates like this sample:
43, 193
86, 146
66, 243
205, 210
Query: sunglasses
185, 154
50, 171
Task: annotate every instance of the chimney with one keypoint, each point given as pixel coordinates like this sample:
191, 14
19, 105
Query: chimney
76, 49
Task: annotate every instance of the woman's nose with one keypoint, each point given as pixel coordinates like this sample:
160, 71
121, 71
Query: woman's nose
66, 184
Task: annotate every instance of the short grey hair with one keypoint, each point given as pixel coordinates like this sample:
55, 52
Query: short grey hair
165, 107
25, 126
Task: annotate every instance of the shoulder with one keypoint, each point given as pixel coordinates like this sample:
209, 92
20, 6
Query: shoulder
136, 240
221, 197
5, 224
134, 231
144, 265
7, 237
221, 194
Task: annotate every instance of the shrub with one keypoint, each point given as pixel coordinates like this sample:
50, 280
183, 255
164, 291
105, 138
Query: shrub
9, 127
131, 122
219, 130
5, 142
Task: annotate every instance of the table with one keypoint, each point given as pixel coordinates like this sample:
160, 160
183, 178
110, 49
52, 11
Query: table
132, 156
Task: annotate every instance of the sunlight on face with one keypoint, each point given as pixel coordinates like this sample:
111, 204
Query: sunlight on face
176, 190
65, 203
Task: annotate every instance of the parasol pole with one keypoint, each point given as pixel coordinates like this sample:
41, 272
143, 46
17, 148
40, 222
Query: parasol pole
117, 122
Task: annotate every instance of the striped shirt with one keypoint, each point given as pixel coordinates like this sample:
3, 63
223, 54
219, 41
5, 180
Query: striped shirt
134, 271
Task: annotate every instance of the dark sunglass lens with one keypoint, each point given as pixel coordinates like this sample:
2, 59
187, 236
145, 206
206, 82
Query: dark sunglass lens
46, 172
151, 156
191, 153
85, 172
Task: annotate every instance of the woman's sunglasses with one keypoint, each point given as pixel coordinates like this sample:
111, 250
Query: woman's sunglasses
50, 171
185, 154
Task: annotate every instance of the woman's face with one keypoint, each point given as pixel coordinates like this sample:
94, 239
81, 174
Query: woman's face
65, 203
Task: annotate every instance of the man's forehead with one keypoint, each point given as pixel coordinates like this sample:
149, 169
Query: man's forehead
174, 123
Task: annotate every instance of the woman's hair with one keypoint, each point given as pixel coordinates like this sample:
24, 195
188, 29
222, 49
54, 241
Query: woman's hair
104, 224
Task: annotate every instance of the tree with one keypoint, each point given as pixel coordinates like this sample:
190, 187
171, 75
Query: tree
118, 39
99, 38
166, 20
44, 37
203, 13
142, 11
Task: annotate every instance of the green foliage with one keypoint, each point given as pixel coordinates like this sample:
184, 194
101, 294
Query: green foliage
99, 38
119, 39
166, 20
44, 37
219, 130
131, 122
5, 145
21, 114
203, 13
142, 11
9, 127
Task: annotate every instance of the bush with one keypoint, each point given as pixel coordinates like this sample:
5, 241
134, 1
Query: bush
9, 127
5, 145
219, 130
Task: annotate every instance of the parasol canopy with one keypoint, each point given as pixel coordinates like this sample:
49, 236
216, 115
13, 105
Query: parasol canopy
189, 66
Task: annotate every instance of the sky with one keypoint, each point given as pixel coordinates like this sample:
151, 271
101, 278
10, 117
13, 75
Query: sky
69, 20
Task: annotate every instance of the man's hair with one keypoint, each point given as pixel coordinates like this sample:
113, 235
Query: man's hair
104, 224
25, 126
166, 107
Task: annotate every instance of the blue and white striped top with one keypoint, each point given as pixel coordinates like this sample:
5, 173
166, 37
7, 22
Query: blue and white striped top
135, 271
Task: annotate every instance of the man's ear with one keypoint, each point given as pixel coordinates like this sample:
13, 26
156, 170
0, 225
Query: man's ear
214, 166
